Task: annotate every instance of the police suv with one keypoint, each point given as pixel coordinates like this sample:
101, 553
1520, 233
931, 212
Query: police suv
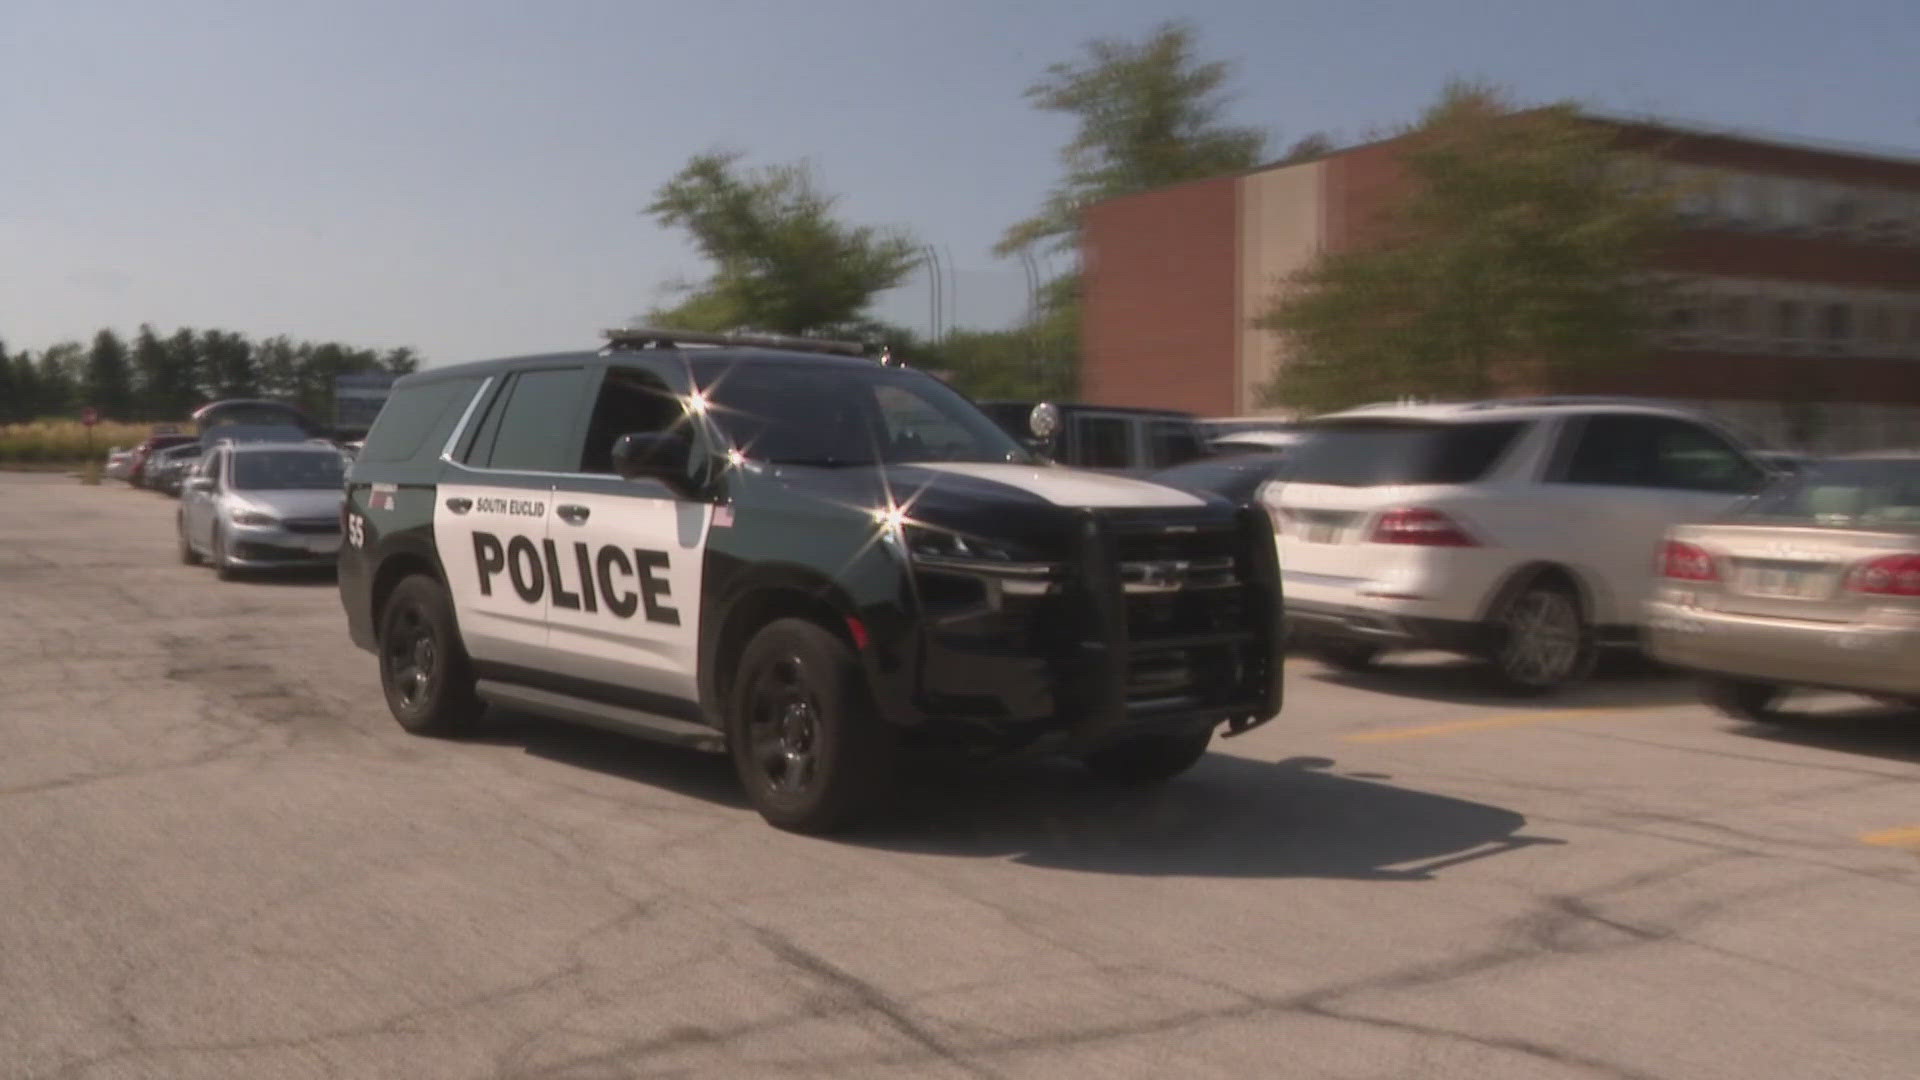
786, 550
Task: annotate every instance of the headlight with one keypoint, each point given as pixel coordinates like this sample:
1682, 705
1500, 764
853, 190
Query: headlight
255, 519
935, 543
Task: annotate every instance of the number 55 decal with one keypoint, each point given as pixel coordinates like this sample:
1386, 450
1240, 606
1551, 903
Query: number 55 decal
356, 530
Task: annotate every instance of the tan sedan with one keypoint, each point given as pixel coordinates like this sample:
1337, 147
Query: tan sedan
1814, 583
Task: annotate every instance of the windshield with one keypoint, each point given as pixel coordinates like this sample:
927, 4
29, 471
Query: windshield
1369, 453
288, 470
1862, 493
816, 414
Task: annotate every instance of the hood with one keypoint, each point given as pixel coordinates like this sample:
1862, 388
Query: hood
1023, 504
295, 505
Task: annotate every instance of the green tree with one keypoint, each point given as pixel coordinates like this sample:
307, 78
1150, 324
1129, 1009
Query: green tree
186, 370
1517, 258
108, 382
60, 370
1149, 115
782, 262
226, 365
12, 400
400, 361
26, 388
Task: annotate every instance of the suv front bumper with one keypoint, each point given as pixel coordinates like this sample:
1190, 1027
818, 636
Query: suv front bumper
1102, 657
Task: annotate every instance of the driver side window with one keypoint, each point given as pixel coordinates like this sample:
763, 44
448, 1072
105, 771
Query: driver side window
631, 401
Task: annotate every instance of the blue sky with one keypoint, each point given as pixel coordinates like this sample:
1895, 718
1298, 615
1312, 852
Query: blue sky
467, 177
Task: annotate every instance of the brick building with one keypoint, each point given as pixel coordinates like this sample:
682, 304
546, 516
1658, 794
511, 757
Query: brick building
1799, 266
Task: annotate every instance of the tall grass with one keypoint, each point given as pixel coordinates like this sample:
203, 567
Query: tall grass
64, 442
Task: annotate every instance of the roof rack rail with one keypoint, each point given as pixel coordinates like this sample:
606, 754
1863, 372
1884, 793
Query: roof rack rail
1571, 399
642, 337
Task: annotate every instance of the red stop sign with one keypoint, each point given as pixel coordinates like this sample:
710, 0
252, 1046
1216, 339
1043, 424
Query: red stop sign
89, 416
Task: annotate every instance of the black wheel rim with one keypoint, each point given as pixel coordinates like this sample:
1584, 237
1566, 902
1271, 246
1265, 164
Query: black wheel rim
412, 656
784, 727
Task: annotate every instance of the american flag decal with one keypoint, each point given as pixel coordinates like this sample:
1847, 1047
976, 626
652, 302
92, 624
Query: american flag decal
723, 517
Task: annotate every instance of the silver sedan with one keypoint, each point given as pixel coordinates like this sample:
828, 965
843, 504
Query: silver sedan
1815, 583
263, 506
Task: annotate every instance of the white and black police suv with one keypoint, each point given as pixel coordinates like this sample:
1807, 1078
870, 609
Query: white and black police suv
786, 550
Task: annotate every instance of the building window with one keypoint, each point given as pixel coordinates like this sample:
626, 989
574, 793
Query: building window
1789, 325
1836, 326
1733, 319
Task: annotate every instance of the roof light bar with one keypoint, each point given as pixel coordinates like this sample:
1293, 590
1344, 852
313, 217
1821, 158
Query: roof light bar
642, 337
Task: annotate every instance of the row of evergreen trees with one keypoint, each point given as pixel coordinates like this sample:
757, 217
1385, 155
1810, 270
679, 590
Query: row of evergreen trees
157, 378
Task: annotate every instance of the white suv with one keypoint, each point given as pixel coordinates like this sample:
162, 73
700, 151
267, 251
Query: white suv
1521, 531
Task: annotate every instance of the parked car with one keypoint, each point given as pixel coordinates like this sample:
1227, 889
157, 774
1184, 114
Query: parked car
167, 469
137, 461
252, 506
1785, 462
1102, 437
1249, 434
1237, 477
1256, 442
1816, 583
1521, 531
119, 461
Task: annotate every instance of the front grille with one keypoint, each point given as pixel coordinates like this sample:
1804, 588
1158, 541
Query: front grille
1189, 625
252, 551
314, 526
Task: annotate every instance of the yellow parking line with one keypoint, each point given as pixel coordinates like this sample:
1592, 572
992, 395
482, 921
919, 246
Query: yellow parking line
1905, 837
1455, 727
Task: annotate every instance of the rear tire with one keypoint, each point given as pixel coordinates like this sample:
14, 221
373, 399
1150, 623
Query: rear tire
807, 742
1149, 759
424, 668
1349, 656
1743, 699
1542, 642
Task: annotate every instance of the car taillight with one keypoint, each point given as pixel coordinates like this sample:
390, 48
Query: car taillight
1687, 562
1891, 575
1420, 526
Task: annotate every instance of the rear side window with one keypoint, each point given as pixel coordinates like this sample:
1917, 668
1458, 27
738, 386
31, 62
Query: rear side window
416, 418
1373, 453
532, 427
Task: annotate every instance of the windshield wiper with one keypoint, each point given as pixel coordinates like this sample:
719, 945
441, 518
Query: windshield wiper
819, 463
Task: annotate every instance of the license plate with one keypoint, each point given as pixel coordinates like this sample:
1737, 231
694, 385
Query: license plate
1784, 584
1322, 533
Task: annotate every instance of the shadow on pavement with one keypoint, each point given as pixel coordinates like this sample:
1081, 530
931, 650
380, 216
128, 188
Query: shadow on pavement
309, 577
1875, 730
1229, 817
1617, 683
687, 772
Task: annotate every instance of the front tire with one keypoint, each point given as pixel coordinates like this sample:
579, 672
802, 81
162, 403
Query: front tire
423, 665
1743, 699
188, 556
806, 740
1149, 759
1541, 640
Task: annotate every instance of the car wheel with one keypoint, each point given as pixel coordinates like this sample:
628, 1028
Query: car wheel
1149, 759
1742, 699
223, 567
1354, 656
423, 666
806, 740
1541, 640
187, 554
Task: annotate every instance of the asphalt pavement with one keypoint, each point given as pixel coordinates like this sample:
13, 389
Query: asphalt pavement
220, 858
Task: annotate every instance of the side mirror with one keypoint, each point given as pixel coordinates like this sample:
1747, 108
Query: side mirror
200, 483
658, 456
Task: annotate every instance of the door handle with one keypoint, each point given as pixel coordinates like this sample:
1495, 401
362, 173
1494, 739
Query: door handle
572, 515
459, 505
